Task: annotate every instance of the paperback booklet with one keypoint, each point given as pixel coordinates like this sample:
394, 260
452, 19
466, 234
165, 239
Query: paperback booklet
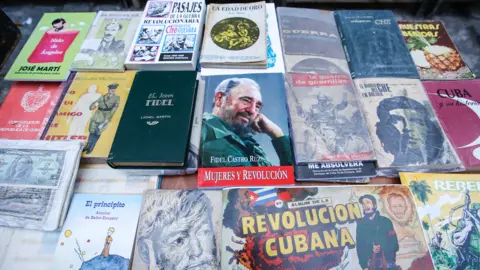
457, 105
274, 50
405, 132
350, 227
99, 232
28, 109
50, 50
179, 229
235, 36
106, 46
91, 111
245, 137
448, 208
374, 45
433, 51
168, 36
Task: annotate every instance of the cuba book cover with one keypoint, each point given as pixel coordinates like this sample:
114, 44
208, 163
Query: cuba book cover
28, 108
448, 206
91, 111
50, 50
457, 105
245, 137
350, 227
99, 232
433, 51
179, 229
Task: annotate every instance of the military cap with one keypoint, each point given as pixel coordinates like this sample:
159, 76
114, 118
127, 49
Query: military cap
112, 86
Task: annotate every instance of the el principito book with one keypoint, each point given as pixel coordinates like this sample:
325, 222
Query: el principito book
51, 48
106, 46
350, 227
99, 232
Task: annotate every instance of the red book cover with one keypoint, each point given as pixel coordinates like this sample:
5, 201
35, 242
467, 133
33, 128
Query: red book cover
27, 109
457, 105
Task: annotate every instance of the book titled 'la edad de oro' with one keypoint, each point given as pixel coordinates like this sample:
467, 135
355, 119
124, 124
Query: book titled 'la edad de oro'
155, 129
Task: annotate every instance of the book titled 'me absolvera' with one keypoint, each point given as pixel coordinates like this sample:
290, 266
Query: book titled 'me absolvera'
154, 130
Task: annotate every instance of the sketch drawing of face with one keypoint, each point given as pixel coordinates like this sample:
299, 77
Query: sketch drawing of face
111, 31
177, 232
397, 204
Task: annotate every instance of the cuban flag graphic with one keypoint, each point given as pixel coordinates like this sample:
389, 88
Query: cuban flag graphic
266, 196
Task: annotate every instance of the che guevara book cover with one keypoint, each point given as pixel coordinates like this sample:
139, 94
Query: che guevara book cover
350, 227
91, 111
448, 206
245, 136
28, 108
433, 51
457, 105
99, 232
50, 50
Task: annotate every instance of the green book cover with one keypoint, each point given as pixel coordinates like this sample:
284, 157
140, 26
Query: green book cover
155, 126
51, 48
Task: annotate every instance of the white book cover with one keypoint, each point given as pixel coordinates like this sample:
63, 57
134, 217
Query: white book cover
235, 33
99, 232
169, 33
275, 62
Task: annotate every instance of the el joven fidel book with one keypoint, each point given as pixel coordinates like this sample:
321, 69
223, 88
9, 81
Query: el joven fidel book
50, 50
245, 139
91, 111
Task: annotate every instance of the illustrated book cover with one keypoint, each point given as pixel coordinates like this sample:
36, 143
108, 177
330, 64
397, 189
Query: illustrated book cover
179, 229
448, 207
405, 132
106, 46
433, 51
274, 51
155, 129
98, 233
91, 111
374, 45
28, 109
50, 50
168, 36
457, 105
235, 36
245, 137
349, 227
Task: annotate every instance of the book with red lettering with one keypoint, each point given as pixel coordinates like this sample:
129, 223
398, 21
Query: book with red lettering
28, 108
457, 105
245, 134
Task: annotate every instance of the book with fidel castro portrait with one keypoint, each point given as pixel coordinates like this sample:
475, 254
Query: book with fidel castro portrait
155, 128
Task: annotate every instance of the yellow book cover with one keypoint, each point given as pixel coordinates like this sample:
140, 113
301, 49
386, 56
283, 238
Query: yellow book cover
449, 209
91, 111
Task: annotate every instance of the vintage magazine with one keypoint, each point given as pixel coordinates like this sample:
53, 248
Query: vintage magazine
179, 229
235, 36
245, 135
350, 227
91, 111
50, 50
448, 207
405, 131
433, 51
106, 45
168, 36
457, 105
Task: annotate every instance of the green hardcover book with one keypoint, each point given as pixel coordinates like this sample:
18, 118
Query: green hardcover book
51, 48
155, 127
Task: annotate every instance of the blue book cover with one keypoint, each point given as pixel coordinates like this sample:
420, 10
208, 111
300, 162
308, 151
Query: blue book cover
374, 45
98, 233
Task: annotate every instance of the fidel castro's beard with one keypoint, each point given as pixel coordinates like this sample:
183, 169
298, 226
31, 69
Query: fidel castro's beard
240, 128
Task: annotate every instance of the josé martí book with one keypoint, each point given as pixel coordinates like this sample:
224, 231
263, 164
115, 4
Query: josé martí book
245, 137
50, 50
99, 232
457, 105
91, 111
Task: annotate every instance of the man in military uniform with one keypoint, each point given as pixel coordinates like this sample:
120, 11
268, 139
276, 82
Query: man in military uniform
106, 107
227, 132
377, 242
